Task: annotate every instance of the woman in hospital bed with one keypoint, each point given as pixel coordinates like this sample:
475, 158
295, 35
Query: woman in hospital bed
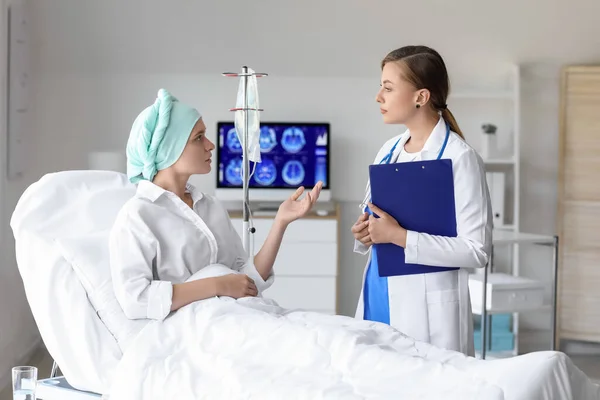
170, 230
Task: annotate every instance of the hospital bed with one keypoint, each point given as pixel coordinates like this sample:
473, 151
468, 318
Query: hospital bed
223, 348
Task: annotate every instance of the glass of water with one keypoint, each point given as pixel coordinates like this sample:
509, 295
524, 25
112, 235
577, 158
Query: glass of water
24, 380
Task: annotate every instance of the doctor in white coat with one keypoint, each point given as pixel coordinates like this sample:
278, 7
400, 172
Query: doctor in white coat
435, 307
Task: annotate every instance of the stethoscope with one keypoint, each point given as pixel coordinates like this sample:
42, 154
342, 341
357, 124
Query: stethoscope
388, 158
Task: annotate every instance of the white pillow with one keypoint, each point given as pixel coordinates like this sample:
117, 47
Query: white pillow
90, 257
68, 204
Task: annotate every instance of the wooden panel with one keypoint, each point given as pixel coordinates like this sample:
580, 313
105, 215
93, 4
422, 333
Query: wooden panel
580, 314
579, 204
581, 273
580, 174
581, 226
570, 335
583, 81
582, 143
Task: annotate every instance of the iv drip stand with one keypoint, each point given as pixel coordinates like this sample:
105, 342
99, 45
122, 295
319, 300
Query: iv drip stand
247, 230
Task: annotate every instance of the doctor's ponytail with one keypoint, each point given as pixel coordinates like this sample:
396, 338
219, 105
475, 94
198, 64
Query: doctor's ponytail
450, 120
424, 68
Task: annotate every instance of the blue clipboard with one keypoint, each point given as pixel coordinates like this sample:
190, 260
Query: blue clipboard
420, 196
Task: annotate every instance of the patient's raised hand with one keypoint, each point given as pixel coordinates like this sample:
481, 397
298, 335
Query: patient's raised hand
236, 286
293, 209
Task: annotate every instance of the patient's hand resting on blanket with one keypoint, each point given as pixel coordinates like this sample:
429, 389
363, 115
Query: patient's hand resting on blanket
226, 281
211, 281
236, 286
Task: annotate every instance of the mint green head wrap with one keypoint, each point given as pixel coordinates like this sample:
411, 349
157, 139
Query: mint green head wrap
158, 136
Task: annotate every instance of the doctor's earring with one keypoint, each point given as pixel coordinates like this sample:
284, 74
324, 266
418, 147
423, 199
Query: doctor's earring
418, 105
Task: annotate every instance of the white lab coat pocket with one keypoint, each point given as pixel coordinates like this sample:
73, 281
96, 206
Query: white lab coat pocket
444, 318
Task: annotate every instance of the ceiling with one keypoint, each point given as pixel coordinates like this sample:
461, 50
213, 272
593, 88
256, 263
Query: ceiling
306, 38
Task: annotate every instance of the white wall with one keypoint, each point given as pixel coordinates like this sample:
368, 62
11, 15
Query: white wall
95, 112
18, 332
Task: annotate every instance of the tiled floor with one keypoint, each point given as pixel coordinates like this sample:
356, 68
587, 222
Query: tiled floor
588, 364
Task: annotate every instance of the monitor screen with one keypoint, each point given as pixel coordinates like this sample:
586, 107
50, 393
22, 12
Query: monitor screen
292, 155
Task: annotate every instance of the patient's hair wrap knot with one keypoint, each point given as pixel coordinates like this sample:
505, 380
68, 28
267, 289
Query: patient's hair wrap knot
154, 125
158, 136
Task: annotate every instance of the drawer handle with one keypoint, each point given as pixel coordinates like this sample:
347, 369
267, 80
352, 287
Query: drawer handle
515, 296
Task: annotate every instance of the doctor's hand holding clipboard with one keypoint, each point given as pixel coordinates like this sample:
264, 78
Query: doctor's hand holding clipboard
426, 215
371, 230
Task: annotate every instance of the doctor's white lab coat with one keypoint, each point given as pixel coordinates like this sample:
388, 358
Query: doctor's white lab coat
436, 308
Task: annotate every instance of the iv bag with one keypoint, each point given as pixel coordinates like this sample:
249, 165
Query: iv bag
253, 149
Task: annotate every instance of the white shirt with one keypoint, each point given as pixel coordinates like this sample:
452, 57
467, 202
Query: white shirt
158, 240
405, 156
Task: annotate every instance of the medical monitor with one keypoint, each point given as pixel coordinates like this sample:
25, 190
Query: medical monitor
292, 155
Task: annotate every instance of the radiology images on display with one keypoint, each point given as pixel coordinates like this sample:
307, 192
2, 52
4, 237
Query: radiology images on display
293, 141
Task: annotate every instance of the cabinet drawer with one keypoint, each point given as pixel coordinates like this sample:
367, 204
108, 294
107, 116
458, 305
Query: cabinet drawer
304, 293
308, 230
506, 293
312, 230
306, 259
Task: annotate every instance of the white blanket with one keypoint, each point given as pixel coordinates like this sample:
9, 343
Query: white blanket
221, 348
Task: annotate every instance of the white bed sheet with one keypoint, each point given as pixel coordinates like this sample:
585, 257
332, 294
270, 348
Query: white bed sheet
251, 348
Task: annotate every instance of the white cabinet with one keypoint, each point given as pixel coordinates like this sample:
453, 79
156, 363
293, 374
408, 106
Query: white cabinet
505, 293
306, 268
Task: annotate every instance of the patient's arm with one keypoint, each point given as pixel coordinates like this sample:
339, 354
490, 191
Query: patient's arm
133, 249
289, 211
265, 258
189, 292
